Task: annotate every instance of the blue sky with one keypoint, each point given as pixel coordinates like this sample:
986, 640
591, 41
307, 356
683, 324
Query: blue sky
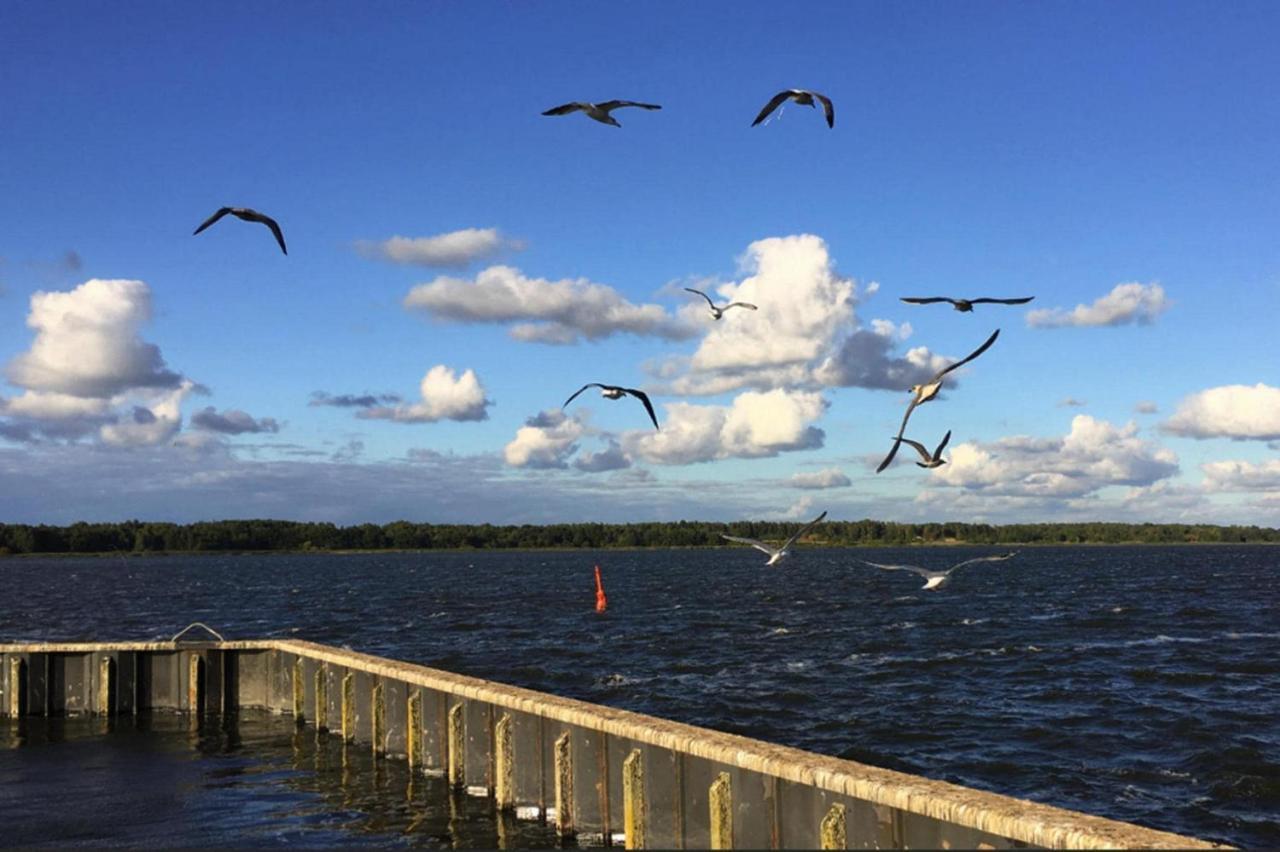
1056, 150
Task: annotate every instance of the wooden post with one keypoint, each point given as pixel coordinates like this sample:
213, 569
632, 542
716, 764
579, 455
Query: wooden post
106, 687
322, 700
504, 792
720, 797
17, 687
348, 708
832, 829
564, 786
299, 693
195, 685
379, 724
457, 746
413, 731
633, 806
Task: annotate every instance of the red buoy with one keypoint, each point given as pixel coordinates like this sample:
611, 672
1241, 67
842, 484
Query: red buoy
602, 602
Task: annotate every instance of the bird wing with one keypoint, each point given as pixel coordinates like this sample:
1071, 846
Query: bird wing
918, 447
703, 295
215, 217
804, 529
912, 568
255, 216
922, 300
937, 454
999, 558
758, 545
986, 301
648, 406
610, 105
580, 390
771, 106
827, 108
565, 108
746, 305
966, 359
898, 440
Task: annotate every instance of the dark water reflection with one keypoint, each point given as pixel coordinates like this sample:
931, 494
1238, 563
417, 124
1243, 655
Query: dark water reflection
1139, 683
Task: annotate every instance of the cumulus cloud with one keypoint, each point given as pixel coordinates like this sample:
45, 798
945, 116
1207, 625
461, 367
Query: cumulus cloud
1093, 455
445, 396
1125, 304
232, 422
556, 312
612, 458
1242, 475
1146, 406
547, 440
755, 425
455, 249
1238, 412
87, 342
805, 334
149, 425
348, 400
831, 477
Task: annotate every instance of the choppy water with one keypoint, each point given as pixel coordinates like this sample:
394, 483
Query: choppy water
1137, 683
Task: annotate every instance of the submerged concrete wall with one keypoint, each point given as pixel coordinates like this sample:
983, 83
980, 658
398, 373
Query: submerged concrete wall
594, 771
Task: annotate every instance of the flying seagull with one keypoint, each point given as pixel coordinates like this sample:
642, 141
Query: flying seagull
963, 305
935, 460
600, 112
928, 390
938, 579
716, 312
776, 554
802, 97
249, 216
615, 392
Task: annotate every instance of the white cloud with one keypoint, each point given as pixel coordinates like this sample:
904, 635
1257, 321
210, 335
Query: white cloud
547, 440
445, 396
612, 458
831, 477
755, 425
1126, 303
1093, 455
232, 422
1239, 412
53, 406
149, 426
456, 248
558, 312
87, 342
805, 333
1242, 475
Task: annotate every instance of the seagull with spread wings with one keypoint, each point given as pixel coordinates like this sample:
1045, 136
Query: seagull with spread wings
717, 312
929, 461
938, 579
928, 390
249, 216
776, 554
804, 97
600, 112
964, 306
615, 392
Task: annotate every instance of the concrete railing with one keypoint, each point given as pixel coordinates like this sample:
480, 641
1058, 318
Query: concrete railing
589, 769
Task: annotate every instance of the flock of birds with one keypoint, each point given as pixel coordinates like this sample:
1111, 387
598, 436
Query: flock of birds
922, 393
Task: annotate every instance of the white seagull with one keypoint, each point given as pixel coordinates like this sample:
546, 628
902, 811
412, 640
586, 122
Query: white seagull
776, 554
801, 96
600, 112
929, 461
249, 216
717, 312
928, 390
615, 392
938, 579
964, 306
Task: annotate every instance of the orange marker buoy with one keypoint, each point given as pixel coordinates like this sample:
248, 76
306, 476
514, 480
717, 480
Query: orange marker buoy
602, 602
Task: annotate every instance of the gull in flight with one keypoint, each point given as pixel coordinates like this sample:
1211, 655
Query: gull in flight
935, 460
964, 306
938, 579
716, 312
615, 392
928, 390
249, 216
776, 554
600, 112
802, 97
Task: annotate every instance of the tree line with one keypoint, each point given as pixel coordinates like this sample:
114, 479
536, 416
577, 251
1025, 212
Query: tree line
269, 535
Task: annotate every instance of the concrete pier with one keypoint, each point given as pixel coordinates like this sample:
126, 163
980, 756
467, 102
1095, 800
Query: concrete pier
597, 772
